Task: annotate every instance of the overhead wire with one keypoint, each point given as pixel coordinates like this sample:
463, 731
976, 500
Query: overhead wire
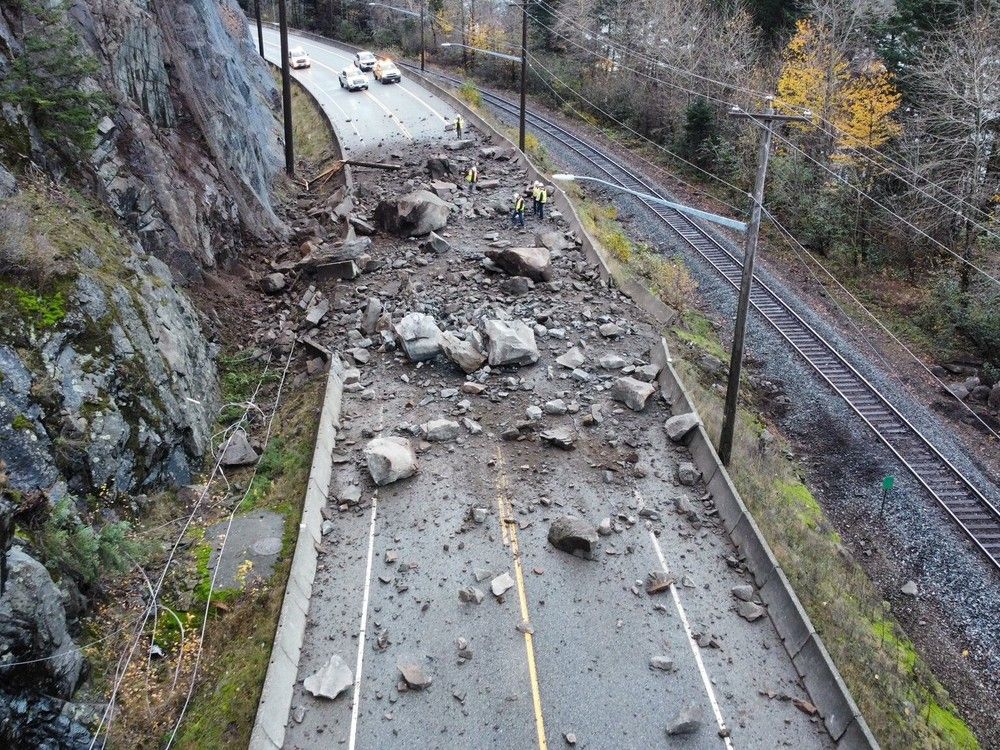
789, 238
222, 548
802, 252
839, 177
626, 51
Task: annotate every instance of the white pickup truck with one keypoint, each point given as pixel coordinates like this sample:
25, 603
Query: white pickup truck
353, 79
298, 58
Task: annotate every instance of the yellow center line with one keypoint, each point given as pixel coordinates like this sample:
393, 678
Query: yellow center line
508, 530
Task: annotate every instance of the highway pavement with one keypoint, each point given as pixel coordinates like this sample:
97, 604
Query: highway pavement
384, 117
569, 654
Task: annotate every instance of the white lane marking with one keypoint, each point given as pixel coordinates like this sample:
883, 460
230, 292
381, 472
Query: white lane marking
318, 88
695, 649
389, 113
356, 703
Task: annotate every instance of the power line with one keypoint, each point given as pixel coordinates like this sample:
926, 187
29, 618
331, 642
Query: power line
859, 190
225, 539
888, 210
625, 51
536, 64
796, 246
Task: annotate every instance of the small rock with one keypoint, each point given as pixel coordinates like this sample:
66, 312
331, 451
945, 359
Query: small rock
687, 474
557, 407
631, 392
390, 459
471, 595
612, 362
909, 588
750, 611
560, 437
743, 592
501, 584
677, 427
331, 680
662, 663
610, 331
572, 359
688, 721
440, 430
272, 283
238, 451
511, 343
413, 672
658, 581
604, 528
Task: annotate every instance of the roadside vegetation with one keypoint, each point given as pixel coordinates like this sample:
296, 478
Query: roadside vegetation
899, 696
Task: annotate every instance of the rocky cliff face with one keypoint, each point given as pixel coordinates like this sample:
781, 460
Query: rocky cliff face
190, 148
108, 385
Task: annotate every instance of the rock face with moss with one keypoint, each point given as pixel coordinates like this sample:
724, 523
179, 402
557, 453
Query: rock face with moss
189, 146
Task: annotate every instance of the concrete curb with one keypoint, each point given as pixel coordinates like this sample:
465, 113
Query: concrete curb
841, 716
282, 670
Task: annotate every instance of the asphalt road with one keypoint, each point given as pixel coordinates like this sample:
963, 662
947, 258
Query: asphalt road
566, 650
385, 116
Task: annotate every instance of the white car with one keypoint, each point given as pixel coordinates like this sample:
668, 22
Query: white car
364, 60
385, 71
353, 79
298, 58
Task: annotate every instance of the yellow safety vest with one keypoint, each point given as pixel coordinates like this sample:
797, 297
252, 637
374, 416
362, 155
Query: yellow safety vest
534, 193
543, 195
519, 203
473, 176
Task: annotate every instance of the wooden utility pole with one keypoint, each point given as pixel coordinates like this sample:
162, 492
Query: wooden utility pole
423, 52
286, 90
260, 27
524, 72
765, 119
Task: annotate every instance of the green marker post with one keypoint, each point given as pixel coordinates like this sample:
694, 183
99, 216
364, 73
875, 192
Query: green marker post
887, 484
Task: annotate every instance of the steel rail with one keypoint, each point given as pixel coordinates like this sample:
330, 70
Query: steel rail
966, 505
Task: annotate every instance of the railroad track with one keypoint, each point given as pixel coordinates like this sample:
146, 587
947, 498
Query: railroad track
967, 506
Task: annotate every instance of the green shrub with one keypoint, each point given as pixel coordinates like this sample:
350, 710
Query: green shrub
469, 94
74, 548
47, 81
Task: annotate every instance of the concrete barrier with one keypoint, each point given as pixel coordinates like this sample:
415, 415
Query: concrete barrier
283, 667
786, 612
825, 687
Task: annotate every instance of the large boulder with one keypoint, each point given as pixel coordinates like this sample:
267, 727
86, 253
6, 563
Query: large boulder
414, 214
511, 342
419, 336
631, 392
33, 627
463, 352
439, 167
574, 535
678, 426
330, 680
390, 459
532, 262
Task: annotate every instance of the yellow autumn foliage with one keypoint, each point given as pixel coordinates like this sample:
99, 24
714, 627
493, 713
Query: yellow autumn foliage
818, 77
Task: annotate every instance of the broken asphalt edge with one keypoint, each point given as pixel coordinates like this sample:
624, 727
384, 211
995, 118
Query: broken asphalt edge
827, 690
841, 716
282, 670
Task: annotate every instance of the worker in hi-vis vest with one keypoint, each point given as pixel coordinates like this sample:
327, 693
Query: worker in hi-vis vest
543, 198
459, 122
518, 217
472, 178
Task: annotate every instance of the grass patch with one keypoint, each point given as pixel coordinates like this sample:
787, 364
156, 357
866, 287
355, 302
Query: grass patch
21, 422
698, 332
40, 310
239, 376
310, 129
